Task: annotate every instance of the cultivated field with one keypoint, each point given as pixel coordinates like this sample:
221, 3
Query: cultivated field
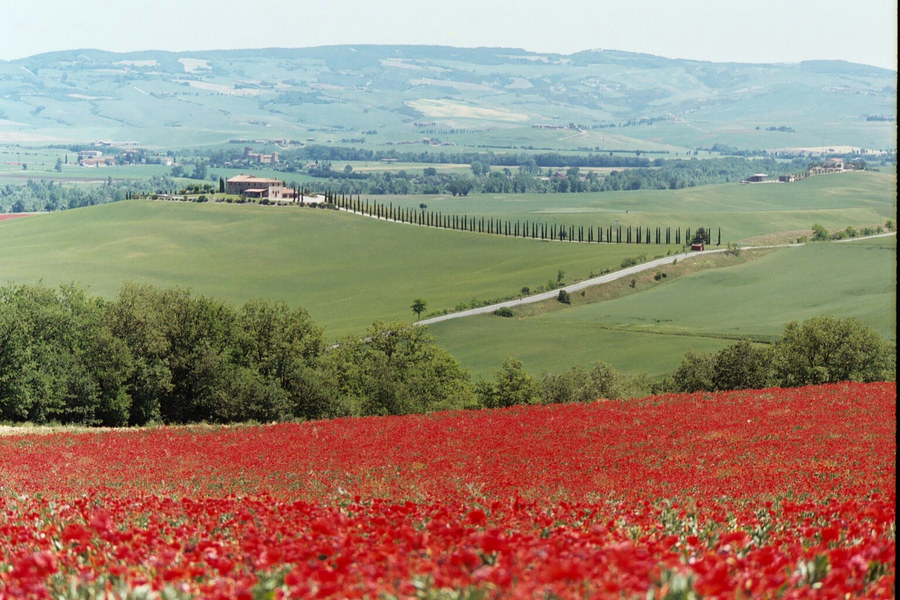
648, 329
346, 270
742, 211
349, 271
778, 492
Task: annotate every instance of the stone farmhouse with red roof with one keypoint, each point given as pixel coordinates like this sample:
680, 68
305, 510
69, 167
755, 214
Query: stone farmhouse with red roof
251, 186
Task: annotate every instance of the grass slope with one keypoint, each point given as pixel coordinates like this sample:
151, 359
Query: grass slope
346, 270
742, 211
649, 331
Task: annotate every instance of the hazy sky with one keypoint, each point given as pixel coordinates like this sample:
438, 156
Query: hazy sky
717, 30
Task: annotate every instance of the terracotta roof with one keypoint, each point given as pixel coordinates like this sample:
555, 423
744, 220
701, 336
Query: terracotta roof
252, 179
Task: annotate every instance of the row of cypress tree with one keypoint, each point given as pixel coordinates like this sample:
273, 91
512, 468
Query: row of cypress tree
619, 234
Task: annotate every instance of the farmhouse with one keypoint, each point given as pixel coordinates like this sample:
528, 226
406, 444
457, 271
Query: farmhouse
252, 186
756, 178
102, 161
259, 157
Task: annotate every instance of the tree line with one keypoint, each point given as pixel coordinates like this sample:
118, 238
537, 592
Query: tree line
155, 355
531, 177
525, 173
38, 195
620, 234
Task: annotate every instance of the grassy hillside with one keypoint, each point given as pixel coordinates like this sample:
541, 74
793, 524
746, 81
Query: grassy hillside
346, 270
349, 271
649, 330
479, 97
742, 211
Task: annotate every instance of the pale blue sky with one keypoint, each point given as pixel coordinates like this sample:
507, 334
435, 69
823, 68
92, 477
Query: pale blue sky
723, 30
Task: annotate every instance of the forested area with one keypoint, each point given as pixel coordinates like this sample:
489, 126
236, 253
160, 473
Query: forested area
564, 177
46, 195
166, 356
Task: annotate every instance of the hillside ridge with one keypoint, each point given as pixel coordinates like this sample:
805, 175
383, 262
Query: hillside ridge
389, 94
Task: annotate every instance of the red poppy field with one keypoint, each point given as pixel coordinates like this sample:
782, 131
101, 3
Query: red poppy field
778, 493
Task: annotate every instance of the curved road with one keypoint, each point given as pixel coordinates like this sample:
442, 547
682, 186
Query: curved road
576, 287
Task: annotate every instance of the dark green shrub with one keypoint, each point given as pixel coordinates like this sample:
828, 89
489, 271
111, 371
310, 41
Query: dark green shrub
828, 350
511, 386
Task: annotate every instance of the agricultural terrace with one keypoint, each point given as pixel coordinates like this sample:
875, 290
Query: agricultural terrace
768, 493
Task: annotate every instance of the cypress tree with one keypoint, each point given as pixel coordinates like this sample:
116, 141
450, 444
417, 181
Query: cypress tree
719, 241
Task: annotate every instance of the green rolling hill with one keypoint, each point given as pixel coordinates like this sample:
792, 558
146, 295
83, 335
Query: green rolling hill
482, 97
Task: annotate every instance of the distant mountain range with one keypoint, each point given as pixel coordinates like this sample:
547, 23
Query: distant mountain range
492, 97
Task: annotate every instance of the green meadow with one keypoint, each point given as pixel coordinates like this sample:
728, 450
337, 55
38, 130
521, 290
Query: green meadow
347, 270
741, 211
650, 329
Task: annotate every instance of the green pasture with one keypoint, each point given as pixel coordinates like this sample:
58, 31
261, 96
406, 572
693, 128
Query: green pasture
347, 270
481, 343
650, 330
741, 211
